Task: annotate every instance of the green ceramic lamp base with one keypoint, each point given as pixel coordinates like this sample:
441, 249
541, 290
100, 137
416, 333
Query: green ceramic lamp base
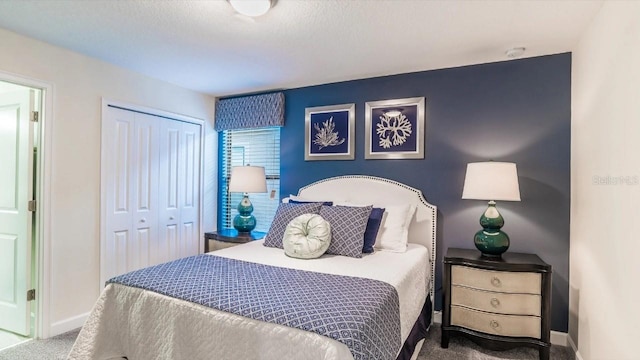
491, 241
244, 222
491, 244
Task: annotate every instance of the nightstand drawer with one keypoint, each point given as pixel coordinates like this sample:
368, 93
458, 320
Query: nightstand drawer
503, 303
509, 282
503, 325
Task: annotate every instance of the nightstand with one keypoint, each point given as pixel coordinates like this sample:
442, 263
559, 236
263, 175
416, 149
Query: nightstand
498, 303
221, 239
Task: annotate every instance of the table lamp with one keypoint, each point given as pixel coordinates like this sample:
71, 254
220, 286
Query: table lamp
246, 179
491, 181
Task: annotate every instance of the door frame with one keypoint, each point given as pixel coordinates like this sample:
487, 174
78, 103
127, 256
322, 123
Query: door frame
103, 175
42, 326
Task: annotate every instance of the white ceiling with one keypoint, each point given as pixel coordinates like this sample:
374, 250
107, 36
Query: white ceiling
205, 46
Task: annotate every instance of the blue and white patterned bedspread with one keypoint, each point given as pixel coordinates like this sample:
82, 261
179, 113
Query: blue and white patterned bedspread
361, 313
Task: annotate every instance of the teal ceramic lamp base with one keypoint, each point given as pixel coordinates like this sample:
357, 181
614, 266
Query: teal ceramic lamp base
491, 241
244, 222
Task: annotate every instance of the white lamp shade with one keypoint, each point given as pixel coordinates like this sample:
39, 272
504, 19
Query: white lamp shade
491, 181
248, 179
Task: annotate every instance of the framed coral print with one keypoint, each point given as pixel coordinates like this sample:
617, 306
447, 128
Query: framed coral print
395, 129
330, 132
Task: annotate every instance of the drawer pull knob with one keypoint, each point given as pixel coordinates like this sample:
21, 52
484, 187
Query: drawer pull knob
495, 302
496, 282
494, 324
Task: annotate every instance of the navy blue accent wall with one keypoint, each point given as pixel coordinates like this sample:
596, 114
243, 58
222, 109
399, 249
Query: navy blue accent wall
517, 111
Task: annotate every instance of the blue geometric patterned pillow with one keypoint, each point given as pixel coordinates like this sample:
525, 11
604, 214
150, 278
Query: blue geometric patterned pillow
348, 224
285, 213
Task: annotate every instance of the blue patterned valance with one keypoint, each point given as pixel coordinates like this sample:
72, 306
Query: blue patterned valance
250, 112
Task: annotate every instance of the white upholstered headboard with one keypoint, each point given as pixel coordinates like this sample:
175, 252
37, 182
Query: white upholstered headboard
362, 189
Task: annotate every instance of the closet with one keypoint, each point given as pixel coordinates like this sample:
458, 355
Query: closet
150, 187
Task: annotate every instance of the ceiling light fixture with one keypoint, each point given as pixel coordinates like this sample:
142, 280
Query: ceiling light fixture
514, 52
251, 8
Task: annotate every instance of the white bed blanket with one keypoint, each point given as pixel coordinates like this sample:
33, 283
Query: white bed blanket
141, 324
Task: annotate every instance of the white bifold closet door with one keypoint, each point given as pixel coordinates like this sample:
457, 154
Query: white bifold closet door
151, 191
179, 166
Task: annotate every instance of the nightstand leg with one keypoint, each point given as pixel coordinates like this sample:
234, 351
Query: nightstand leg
545, 353
444, 339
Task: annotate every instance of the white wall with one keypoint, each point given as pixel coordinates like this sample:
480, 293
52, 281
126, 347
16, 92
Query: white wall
605, 196
79, 83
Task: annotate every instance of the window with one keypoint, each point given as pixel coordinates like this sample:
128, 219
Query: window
257, 147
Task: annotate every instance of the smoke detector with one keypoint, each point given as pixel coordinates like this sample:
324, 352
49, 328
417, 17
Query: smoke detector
514, 52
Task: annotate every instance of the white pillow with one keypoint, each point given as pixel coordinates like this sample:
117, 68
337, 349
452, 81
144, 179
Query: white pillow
394, 229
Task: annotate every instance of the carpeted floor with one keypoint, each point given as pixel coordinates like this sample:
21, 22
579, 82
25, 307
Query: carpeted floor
55, 348
460, 348
58, 347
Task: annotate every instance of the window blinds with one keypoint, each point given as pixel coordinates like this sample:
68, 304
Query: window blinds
257, 147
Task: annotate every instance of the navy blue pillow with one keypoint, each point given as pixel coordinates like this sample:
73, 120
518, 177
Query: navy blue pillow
325, 203
370, 233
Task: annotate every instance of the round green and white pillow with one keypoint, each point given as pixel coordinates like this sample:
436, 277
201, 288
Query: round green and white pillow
307, 237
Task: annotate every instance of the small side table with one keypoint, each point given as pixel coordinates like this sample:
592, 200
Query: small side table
498, 303
225, 238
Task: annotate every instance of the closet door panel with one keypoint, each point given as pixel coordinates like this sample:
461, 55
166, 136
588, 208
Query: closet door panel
151, 190
145, 196
119, 247
139, 249
169, 194
190, 188
171, 241
118, 189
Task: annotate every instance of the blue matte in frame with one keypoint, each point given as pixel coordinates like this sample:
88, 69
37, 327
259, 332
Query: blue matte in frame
335, 123
395, 136
330, 132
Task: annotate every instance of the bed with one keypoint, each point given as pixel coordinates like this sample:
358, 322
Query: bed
131, 321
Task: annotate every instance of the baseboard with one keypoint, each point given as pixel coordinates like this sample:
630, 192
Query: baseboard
72, 323
557, 337
574, 348
437, 317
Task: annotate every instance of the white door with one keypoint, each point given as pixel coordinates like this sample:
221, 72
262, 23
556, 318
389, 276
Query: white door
144, 174
131, 190
117, 188
179, 190
151, 190
16, 190
169, 191
190, 190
